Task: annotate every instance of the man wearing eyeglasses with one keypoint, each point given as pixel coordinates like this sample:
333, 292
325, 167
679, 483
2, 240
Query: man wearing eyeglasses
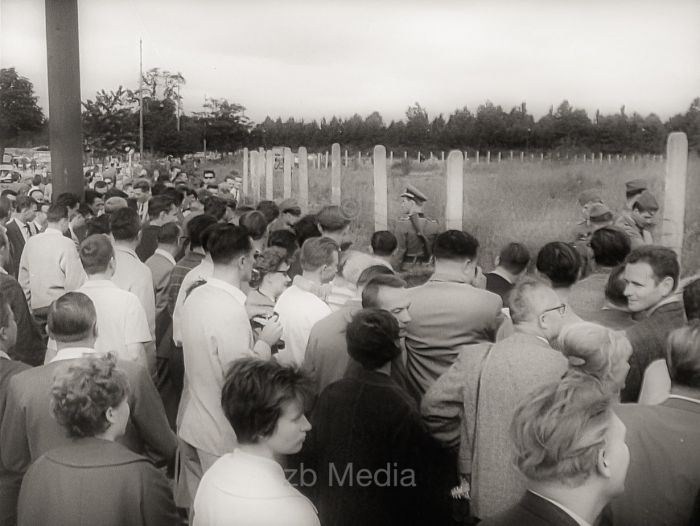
485, 385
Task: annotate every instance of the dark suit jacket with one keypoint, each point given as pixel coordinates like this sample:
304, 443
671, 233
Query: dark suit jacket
498, 285
149, 242
95, 481
30, 347
16, 239
648, 339
532, 510
664, 474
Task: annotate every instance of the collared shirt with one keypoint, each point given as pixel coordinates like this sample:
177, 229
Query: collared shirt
167, 255
121, 319
215, 333
72, 353
133, 275
202, 271
49, 267
23, 228
578, 519
4, 356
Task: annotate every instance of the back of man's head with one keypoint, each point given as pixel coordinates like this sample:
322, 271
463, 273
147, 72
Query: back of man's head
610, 246
455, 245
372, 338
196, 226
5, 314
683, 356
169, 234
332, 219
646, 202
24, 203
514, 257
56, 213
662, 260
370, 294
71, 318
285, 239
68, 199
615, 288
269, 210
227, 242
560, 262
525, 299
158, 204
124, 224
372, 272
95, 254
215, 206
317, 252
6, 208
255, 222
691, 299
383, 243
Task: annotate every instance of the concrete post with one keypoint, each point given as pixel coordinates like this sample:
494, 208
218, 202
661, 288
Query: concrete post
391, 159
381, 207
269, 175
477, 157
488, 157
255, 175
244, 177
442, 156
674, 195
454, 206
346, 158
335, 173
287, 180
303, 179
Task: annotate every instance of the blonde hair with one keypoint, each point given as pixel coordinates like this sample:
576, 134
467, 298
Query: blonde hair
596, 351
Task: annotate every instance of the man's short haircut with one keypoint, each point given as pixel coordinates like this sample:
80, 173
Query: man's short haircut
559, 430
24, 203
306, 228
90, 196
4, 241
143, 185
520, 301
560, 262
662, 260
169, 234
158, 187
6, 207
683, 355
610, 246
318, 251
255, 222
215, 206
691, 300
384, 243
514, 257
455, 245
615, 288
254, 395
196, 226
5, 310
227, 242
370, 294
269, 210
115, 192
285, 239
56, 213
95, 253
372, 338
100, 184
158, 204
71, 317
68, 199
332, 219
372, 272
354, 263
124, 224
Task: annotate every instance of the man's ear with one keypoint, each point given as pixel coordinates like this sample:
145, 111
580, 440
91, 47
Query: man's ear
667, 285
497, 261
603, 465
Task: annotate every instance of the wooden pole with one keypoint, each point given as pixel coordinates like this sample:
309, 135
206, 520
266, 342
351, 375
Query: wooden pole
454, 188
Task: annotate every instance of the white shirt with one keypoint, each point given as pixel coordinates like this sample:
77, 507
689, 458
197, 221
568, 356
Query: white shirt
215, 332
49, 267
133, 275
202, 271
121, 319
71, 353
299, 310
23, 228
245, 489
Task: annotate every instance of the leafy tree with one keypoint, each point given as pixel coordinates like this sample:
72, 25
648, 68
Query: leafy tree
19, 112
225, 125
417, 125
110, 122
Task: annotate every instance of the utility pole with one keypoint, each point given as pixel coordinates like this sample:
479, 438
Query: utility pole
177, 107
141, 99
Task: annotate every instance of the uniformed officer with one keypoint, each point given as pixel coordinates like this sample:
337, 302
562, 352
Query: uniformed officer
415, 232
583, 229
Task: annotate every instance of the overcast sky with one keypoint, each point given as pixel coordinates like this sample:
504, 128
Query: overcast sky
309, 59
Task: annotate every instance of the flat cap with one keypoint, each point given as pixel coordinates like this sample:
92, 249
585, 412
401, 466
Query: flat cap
332, 218
647, 202
635, 185
289, 204
599, 213
115, 203
413, 193
589, 196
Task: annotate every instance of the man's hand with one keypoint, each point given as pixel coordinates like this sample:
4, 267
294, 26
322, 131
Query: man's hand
271, 332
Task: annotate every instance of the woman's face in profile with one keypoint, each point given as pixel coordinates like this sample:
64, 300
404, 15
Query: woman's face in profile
290, 431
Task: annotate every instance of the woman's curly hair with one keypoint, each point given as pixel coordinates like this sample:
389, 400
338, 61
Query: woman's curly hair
268, 261
82, 392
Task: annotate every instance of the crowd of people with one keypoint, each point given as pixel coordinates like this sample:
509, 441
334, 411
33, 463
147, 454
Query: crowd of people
171, 356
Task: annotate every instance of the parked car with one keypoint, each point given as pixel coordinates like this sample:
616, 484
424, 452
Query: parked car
9, 174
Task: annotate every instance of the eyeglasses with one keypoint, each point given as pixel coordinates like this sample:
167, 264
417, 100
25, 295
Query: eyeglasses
561, 309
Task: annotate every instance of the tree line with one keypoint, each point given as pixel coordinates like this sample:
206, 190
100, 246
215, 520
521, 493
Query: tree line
111, 125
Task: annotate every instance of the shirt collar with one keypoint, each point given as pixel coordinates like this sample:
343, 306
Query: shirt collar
167, 255
72, 353
452, 277
673, 298
51, 230
3, 271
500, 273
97, 283
228, 288
579, 520
126, 250
4, 356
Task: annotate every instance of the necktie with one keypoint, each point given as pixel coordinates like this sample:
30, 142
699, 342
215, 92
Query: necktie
29, 230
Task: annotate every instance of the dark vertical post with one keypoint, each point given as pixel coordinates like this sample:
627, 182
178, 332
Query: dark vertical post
63, 58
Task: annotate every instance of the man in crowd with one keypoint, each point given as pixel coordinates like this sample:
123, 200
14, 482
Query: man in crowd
664, 474
299, 307
95, 203
586, 200
50, 265
161, 264
511, 264
290, 213
448, 312
651, 274
610, 247
161, 211
334, 224
483, 387
142, 193
383, 245
633, 189
216, 332
28, 428
570, 446
20, 229
415, 232
638, 222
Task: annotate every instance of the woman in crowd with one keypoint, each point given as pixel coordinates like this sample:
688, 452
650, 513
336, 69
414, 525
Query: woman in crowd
268, 281
95, 480
264, 403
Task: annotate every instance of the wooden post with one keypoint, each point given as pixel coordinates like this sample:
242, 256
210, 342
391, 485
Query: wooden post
442, 156
511, 155
609, 159
454, 206
359, 157
477, 157
326, 161
381, 208
499, 157
335, 173
584, 157
303, 179
418, 156
522, 157
674, 195
287, 181
488, 157
244, 178
255, 175
541, 157
405, 154
391, 159
346, 158
269, 174
431, 156
466, 155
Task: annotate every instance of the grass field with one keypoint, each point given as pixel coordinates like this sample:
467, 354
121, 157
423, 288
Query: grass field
531, 202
